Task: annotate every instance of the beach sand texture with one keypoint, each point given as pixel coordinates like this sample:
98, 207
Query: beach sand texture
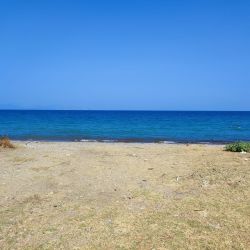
73, 195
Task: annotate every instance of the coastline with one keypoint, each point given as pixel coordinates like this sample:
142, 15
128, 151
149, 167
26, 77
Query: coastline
128, 141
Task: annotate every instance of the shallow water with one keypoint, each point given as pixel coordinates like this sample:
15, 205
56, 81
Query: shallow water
141, 126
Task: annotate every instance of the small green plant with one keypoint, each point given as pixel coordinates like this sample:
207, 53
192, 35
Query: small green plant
238, 147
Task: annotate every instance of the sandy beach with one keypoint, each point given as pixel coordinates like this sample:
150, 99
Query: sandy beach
79, 195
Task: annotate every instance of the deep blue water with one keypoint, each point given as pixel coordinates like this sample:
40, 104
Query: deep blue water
146, 126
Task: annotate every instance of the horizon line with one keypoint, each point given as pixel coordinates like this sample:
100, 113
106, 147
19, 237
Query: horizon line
126, 110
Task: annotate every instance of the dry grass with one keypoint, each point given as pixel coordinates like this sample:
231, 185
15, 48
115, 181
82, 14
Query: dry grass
124, 196
6, 143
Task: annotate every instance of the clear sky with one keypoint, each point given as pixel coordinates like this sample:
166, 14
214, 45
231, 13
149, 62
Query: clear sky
125, 54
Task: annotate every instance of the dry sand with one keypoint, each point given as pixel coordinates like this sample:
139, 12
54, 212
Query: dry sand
70, 195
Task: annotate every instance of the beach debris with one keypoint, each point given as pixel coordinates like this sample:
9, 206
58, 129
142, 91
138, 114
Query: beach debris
133, 155
109, 221
178, 178
202, 212
234, 184
216, 226
144, 180
150, 168
243, 152
205, 183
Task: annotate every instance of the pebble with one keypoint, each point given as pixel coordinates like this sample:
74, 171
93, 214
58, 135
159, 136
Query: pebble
205, 183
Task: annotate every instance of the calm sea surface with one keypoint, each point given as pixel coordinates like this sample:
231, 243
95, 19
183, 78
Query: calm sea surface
141, 126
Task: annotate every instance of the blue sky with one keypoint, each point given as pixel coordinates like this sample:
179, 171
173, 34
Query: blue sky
150, 55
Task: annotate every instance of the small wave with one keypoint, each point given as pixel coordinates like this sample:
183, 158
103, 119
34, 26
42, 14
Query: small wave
108, 140
88, 140
96, 140
167, 142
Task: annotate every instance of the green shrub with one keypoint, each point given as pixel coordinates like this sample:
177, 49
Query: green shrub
238, 147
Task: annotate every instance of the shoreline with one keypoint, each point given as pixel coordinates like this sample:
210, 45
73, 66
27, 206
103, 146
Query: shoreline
219, 143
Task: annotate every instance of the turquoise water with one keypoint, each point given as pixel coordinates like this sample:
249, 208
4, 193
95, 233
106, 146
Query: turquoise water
141, 126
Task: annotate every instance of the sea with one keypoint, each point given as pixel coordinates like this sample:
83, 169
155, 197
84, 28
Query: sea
126, 126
